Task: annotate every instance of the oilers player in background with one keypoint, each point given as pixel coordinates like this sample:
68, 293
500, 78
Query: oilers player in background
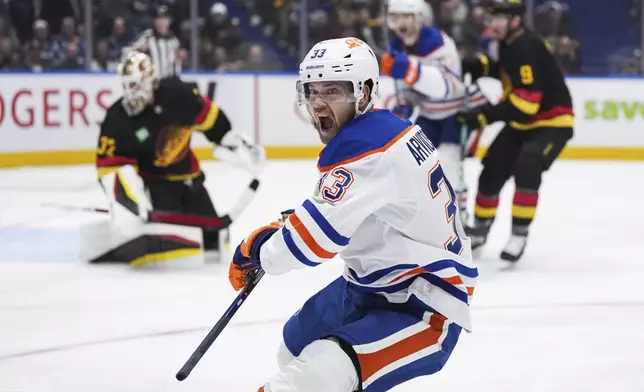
426, 67
382, 204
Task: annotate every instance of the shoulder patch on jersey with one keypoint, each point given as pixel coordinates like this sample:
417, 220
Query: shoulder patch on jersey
430, 40
142, 134
366, 135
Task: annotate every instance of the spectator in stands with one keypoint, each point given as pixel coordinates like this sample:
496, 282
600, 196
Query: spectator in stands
119, 38
452, 17
8, 55
632, 66
33, 59
256, 61
568, 54
476, 35
49, 47
72, 59
223, 31
68, 36
102, 60
221, 61
552, 20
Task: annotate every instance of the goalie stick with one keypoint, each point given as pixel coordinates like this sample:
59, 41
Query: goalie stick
186, 219
253, 280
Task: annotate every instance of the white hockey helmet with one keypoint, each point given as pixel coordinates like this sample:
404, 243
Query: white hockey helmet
419, 8
405, 6
136, 73
341, 60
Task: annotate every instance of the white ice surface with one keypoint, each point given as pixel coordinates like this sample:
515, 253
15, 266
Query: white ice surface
569, 317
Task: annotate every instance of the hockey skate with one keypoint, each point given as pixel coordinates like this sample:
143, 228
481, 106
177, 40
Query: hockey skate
478, 233
514, 248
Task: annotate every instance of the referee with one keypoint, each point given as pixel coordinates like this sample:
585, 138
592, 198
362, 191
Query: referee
160, 44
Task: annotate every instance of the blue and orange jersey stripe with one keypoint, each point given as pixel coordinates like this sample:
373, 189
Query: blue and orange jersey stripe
324, 224
296, 231
308, 239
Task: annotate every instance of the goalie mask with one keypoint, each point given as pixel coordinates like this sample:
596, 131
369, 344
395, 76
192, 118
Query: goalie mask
136, 73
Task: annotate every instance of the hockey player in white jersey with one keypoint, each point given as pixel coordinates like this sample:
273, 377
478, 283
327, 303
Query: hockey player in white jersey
426, 67
383, 204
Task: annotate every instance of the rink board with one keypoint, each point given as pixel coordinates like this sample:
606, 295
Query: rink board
49, 119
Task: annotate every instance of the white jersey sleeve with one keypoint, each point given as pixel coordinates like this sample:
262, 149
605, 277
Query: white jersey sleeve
323, 225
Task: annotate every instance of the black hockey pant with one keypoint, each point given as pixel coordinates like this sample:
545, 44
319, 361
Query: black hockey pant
524, 155
187, 197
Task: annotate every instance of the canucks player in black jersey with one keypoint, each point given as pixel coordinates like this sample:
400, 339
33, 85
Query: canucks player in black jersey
537, 110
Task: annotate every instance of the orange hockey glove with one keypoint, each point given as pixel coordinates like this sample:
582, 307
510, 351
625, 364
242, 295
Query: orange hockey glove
246, 257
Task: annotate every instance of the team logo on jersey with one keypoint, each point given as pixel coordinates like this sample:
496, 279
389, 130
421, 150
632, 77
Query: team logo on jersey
173, 145
142, 134
318, 188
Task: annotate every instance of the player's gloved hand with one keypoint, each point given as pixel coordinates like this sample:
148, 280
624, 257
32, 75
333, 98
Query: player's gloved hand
246, 257
473, 65
399, 65
473, 119
238, 150
403, 109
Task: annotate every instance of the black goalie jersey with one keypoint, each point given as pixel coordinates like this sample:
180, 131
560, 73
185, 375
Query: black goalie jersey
157, 141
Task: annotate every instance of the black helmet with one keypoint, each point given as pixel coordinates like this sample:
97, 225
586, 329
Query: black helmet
506, 7
162, 11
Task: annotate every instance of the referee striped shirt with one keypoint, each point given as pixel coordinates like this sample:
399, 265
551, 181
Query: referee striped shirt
162, 50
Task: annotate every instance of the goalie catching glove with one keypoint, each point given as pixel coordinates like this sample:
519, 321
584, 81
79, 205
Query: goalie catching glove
239, 151
246, 257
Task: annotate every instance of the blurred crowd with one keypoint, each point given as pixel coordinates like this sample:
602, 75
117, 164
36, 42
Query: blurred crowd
37, 35
463, 20
249, 35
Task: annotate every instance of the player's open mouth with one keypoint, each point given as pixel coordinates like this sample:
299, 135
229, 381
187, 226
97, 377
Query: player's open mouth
326, 123
403, 31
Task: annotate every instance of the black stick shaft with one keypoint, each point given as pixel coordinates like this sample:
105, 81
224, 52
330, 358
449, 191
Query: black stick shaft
219, 327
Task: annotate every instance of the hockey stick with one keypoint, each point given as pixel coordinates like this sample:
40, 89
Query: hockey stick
467, 81
79, 209
470, 140
219, 327
186, 219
